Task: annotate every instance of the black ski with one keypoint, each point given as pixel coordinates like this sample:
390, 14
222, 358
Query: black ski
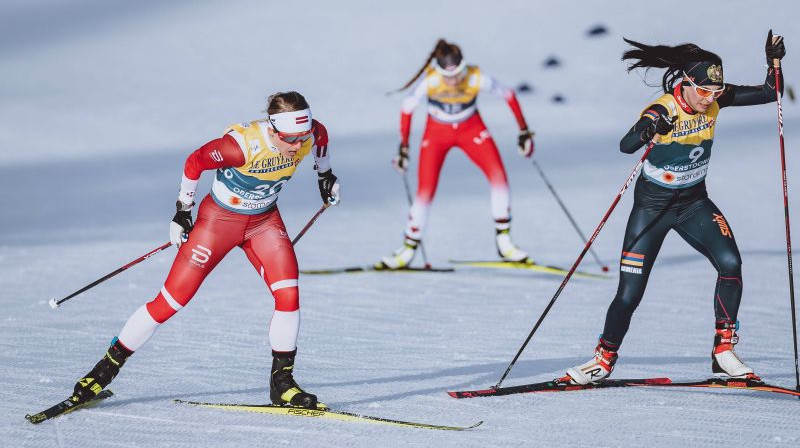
376, 268
65, 407
557, 386
323, 413
731, 383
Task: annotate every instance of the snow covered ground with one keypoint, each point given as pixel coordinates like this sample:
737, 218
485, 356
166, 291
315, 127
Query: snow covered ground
101, 101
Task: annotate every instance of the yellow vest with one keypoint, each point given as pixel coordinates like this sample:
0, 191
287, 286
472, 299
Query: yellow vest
453, 103
680, 159
253, 187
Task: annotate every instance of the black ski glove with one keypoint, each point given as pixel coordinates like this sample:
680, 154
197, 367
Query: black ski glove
662, 125
328, 187
400, 162
525, 143
774, 50
181, 223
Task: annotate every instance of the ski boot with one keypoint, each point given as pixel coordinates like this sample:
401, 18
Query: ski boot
283, 390
725, 363
596, 369
401, 257
507, 250
101, 375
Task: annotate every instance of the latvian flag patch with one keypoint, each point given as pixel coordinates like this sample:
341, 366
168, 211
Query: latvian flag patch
631, 263
301, 119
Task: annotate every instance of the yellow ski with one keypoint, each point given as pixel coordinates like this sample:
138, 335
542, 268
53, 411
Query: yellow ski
529, 266
324, 413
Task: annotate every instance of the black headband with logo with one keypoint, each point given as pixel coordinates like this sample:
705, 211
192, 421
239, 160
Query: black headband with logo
704, 72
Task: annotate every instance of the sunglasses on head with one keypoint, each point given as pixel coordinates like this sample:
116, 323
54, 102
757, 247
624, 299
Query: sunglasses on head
704, 92
293, 138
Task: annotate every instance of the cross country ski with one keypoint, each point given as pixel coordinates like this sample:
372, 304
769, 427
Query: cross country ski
527, 266
375, 268
323, 413
65, 407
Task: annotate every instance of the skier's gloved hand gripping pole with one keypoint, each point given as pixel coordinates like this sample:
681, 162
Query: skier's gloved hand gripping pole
400, 164
775, 51
589, 243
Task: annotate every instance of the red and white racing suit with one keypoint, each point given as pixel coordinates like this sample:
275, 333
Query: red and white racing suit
239, 211
453, 120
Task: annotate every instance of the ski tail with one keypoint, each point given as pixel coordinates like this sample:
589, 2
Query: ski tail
732, 383
556, 386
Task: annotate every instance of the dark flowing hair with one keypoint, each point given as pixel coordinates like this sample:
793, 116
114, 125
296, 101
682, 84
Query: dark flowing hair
674, 59
444, 52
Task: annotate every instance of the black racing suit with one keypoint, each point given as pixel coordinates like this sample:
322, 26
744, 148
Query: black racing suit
691, 214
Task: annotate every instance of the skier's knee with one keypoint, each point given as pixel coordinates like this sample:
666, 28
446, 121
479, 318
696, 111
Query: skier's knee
729, 265
287, 295
163, 306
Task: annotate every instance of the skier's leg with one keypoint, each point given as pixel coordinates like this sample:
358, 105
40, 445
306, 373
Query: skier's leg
706, 229
644, 235
208, 243
477, 143
272, 254
436, 142
215, 233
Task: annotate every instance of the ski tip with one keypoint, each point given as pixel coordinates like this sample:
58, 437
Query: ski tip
53, 303
476, 425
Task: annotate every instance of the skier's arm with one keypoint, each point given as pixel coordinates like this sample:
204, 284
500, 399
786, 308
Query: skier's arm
410, 102
327, 182
645, 128
525, 139
751, 95
218, 153
734, 95
492, 85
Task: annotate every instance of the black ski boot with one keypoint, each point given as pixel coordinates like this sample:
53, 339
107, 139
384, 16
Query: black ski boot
101, 375
283, 390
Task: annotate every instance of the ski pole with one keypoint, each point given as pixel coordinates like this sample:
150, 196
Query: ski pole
310, 223
580, 257
56, 303
776, 63
569, 215
410, 203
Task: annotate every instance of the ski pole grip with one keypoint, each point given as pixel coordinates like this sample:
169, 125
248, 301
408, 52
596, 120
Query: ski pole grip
776, 62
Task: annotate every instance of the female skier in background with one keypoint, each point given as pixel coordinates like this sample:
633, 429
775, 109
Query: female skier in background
252, 162
451, 87
671, 194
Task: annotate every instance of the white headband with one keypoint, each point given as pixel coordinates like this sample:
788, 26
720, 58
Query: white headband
294, 122
452, 72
